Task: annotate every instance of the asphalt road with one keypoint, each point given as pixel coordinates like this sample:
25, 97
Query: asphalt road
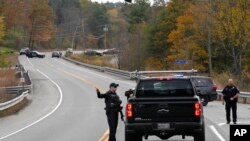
64, 106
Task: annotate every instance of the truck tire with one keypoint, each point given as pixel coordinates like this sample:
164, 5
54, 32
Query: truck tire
204, 103
200, 136
132, 137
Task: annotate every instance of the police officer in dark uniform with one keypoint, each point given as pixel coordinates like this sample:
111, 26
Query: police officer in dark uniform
113, 107
230, 95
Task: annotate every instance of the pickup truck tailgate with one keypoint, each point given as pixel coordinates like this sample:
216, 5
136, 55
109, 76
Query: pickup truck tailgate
165, 110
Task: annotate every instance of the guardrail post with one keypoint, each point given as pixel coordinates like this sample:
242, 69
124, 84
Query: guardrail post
102, 69
244, 100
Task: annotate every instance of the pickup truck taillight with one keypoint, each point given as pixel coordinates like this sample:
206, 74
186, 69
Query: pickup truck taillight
214, 87
197, 112
129, 110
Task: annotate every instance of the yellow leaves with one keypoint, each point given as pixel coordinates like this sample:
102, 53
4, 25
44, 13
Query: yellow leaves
186, 42
233, 23
2, 28
42, 19
85, 4
113, 13
154, 64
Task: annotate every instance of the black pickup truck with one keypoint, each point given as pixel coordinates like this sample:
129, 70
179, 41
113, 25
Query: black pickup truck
164, 107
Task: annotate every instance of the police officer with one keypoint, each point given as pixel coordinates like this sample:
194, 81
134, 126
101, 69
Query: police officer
230, 95
113, 107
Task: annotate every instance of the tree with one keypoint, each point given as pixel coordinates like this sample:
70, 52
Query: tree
16, 19
41, 22
188, 40
133, 54
85, 4
16, 13
2, 28
164, 22
232, 30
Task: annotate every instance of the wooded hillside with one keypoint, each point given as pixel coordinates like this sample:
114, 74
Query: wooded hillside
212, 36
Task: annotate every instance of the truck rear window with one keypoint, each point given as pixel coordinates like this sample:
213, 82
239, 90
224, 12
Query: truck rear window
202, 82
165, 88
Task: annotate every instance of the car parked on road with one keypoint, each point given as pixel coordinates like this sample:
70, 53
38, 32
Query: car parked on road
90, 52
56, 54
24, 51
37, 54
205, 88
69, 50
111, 51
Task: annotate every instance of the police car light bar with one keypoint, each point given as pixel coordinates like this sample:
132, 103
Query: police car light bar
169, 71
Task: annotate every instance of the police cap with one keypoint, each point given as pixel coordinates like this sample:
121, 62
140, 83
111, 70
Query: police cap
113, 85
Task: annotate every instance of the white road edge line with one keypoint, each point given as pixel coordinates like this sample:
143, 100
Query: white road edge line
220, 124
50, 113
217, 133
29, 62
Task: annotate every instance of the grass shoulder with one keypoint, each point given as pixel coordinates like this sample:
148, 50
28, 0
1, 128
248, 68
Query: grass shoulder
104, 61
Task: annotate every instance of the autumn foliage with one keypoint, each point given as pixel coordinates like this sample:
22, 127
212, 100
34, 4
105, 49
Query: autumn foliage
148, 36
32, 18
2, 27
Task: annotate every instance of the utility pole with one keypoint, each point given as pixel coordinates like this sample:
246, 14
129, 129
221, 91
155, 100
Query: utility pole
105, 29
73, 38
209, 39
83, 32
209, 34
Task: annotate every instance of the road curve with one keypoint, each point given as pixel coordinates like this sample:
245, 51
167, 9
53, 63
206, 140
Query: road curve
64, 106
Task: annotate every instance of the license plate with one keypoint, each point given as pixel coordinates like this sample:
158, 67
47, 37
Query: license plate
163, 126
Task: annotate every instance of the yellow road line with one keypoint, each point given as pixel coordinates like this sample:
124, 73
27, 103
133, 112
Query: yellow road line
84, 80
105, 136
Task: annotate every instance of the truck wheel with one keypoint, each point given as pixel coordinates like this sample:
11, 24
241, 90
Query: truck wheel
200, 136
204, 103
132, 137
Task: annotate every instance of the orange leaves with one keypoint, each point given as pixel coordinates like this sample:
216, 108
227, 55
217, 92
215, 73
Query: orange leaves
44, 33
42, 21
186, 42
154, 64
33, 15
15, 12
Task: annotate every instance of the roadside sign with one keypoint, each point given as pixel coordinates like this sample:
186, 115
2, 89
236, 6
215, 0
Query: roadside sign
181, 61
22, 80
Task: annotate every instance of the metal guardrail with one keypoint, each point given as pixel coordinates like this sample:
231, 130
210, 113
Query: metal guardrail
83, 64
14, 101
27, 86
119, 72
27, 78
17, 89
103, 69
167, 71
134, 74
24, 90
243, 95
